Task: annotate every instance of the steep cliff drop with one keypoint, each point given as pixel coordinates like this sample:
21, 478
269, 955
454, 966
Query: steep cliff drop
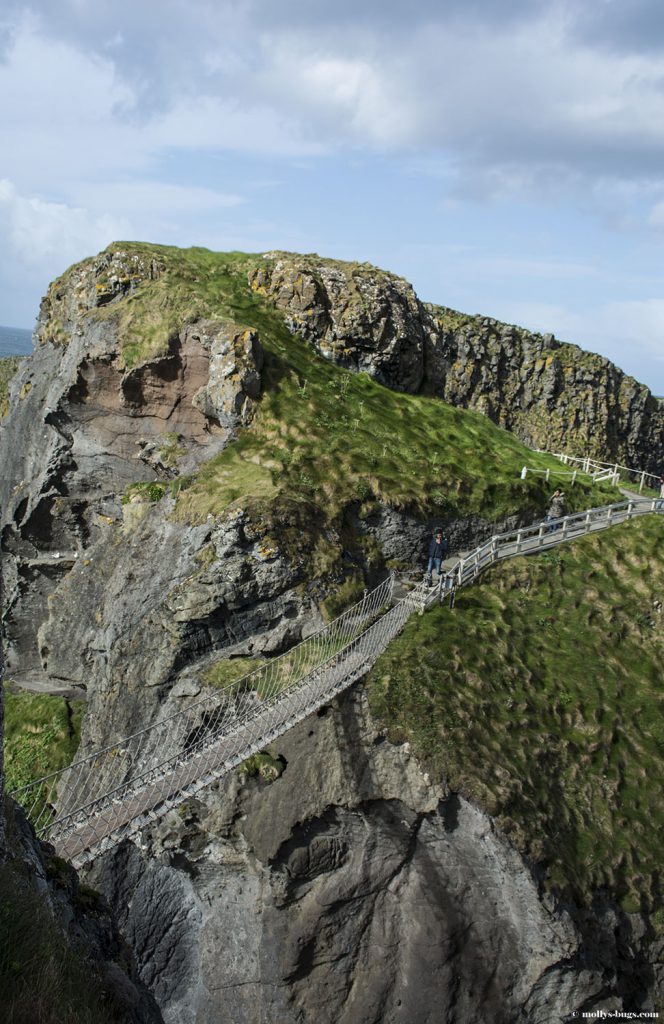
172, 512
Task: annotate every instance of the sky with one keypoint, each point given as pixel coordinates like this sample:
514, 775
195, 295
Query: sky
505, 156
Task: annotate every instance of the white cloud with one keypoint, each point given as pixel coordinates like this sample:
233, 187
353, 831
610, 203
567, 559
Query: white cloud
154, 198
656, 218
629, 333
517, 104
49, 236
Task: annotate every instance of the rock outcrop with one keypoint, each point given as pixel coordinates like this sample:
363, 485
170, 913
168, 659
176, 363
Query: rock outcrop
356, 315
550, 394
75, 954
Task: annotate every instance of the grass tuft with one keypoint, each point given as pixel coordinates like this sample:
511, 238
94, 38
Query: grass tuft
8, 369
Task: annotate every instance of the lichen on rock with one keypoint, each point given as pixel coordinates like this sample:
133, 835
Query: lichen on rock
234, 380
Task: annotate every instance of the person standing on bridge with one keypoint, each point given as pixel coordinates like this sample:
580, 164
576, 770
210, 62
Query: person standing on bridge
660, 503
437, 552
557, 508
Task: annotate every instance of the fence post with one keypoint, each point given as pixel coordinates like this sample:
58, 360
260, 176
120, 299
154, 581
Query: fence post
462, 563
574, 476
524, 472
642, 482
519, 538
630, 510
494, 548
586, 466
540, 535
565, 522
548, 475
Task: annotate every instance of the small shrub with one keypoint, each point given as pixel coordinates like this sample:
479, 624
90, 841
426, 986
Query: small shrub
262, 766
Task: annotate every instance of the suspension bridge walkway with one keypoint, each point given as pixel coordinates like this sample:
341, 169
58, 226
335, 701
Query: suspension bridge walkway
114, 792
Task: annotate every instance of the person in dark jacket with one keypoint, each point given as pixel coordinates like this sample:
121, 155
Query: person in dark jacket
437, 552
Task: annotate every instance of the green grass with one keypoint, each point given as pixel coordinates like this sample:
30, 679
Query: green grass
40, 736
322, 435
325, 435
8, 369
541, 698
262, 766
225, 671
195, 283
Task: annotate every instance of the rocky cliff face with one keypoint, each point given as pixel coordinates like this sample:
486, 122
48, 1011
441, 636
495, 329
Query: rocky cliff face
93, 438
552, 395
61, 956
352, 888
355, 890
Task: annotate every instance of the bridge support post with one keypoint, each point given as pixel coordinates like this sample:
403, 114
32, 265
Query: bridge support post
540, 536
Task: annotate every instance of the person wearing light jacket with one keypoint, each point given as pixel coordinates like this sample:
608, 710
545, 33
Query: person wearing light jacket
557, 508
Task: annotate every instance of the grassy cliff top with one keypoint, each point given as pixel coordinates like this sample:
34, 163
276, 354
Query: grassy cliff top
321, 434
541, 698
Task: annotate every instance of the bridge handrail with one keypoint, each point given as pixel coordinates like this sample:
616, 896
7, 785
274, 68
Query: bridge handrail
190, 746
231, 687
553, 530
205, 741
641, 474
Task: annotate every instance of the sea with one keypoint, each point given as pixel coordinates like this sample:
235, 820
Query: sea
15, 341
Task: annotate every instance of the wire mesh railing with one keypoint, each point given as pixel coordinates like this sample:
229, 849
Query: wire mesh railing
548, 533
114, 791
111, 787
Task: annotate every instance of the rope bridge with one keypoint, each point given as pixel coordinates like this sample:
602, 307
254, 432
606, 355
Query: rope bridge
110, 794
